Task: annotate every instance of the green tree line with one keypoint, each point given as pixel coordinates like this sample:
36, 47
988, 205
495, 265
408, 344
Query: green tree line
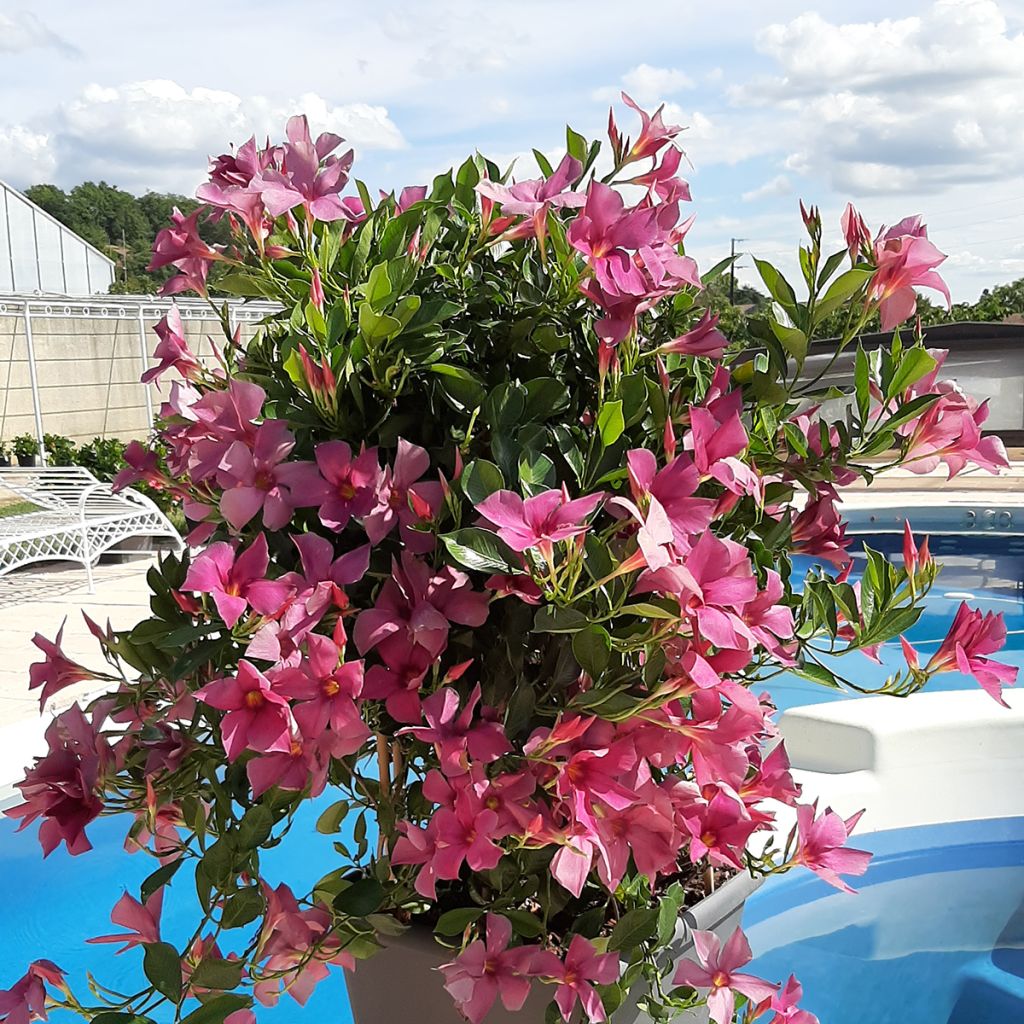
124, 226
121, 225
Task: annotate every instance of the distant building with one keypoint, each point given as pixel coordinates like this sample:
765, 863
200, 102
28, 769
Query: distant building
39, 255
985, 359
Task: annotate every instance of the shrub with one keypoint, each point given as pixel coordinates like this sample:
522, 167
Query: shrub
499, 531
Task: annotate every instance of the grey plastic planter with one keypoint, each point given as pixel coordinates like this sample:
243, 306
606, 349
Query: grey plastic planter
402, 983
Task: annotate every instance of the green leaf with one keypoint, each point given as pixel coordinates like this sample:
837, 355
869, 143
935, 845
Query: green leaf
242, 907
862, 383
214, 1011
330, 821
481, 479
819, 674
913, 408
575, 144
245, 286
255, 827
464, 389
158, 879
841, 289
218, 974
528, 925
543, 163
915, 364
456, 921
480, 549
592, 648
778, 287
793, 340
633, 928
545, 397
162, 967
378, 287
360, 898
550, 619
535, 470
610, 423
376, 327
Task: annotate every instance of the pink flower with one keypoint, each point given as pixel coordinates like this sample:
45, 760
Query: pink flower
258, 717
236, 583
654, 133
517, 585
255, 478
485, 970
462, 834
25, 1000
326, 688
302, 180
785, 1006
719, 830
855, 231
180, 246
533, 199
662, 181
302, 765
298, 946
819, 530
172, 351
820, 845
344, 488
913, 558
143, 464
416, 607
142, 921
905, 259
455, 738
605, 231
397, 682
64, 786
398, 485
971, 636
574, 976
540, 521
716, 970
703, 340
56, 671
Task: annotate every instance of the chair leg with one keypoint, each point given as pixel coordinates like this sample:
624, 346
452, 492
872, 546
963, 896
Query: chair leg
87, 560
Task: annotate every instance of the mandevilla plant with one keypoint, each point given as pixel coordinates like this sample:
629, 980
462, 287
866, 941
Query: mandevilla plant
492, 538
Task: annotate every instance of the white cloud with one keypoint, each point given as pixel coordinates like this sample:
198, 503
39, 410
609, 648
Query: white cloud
647, 85
25, 156
780, 185
916, 104
158, 134
24, 31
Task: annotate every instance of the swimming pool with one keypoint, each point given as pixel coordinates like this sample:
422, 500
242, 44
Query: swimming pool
48, 909
935, 934
984, 569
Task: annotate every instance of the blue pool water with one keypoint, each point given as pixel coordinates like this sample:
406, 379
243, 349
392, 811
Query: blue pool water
935, 934
986, 570
48, 909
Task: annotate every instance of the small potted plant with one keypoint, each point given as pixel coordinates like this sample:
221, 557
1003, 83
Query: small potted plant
26, 449
498, 530
60, 450
5, 453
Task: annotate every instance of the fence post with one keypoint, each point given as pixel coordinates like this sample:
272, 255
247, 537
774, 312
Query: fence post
34, 380
144, 355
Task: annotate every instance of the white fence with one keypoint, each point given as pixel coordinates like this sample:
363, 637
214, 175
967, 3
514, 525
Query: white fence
72, 366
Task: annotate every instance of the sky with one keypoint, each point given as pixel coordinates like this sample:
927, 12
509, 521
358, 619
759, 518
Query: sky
903, 107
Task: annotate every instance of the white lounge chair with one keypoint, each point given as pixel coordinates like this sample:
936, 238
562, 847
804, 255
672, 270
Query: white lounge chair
76, 518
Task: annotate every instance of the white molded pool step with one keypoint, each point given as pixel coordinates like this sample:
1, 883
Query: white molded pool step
925, 759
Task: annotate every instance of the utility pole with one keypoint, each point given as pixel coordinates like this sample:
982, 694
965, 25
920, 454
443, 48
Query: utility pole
732, 271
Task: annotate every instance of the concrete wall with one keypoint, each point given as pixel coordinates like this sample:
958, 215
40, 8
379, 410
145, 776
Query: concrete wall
88, 363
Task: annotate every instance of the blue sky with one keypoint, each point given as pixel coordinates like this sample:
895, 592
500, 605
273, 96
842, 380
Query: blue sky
904, 107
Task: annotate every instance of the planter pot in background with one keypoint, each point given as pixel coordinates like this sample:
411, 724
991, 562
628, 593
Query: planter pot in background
402, 981
28, 460
5, 460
